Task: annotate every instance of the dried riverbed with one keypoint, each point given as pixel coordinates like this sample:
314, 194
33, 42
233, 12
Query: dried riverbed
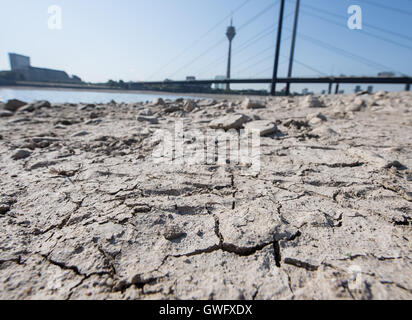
86, 212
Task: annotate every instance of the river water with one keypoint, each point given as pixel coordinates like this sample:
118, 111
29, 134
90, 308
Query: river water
76, 96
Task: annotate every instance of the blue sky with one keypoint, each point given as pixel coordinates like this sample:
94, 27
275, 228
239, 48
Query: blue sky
139, 39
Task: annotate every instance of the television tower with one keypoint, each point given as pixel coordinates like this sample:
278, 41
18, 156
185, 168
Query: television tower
230, 33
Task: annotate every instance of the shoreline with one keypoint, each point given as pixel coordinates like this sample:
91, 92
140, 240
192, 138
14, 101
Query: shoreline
142, 92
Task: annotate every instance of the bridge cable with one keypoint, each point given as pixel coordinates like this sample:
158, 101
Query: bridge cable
265, 10
199, 39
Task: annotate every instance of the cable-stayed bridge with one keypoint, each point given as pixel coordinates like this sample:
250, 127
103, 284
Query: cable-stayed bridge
276, 36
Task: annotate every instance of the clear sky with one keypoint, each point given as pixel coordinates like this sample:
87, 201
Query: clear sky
140, 39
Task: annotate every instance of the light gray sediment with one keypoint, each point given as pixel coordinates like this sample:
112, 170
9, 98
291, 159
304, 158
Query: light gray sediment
86, 212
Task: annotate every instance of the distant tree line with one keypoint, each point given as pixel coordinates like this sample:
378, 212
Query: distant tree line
179, 88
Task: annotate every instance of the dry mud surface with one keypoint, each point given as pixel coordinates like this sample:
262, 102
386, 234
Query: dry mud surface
86, 212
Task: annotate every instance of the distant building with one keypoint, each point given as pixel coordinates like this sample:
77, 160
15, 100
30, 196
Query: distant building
386, 74
219, 86
323, 91
190, 78
305, 91
23, 71
358, 89
19, 62
370, 89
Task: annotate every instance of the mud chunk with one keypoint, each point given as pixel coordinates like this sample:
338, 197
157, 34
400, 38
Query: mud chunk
229, 122
158, 102
6, 203
295, 124
151, 120
206, 103
141, 208
42, 164
264, 127
5, 113
356, 105
13, 105
189, 105
21, 154
80, 134
312, 102
252, 104
4, 208
324, 132
173, 232
36, 105
315, 118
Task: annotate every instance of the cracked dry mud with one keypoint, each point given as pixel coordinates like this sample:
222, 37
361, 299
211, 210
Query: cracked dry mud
86, 213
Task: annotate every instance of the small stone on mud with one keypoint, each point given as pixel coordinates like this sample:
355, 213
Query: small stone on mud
173, 232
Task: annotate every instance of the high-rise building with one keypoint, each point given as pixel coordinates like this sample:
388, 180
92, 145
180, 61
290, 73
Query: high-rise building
370, 89
230, 33
358, 89
219, 86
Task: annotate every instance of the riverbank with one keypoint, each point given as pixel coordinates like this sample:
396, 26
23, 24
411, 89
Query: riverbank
96, 205
61, 95
142, 92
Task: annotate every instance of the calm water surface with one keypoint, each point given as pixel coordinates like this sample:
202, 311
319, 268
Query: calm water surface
63, 96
